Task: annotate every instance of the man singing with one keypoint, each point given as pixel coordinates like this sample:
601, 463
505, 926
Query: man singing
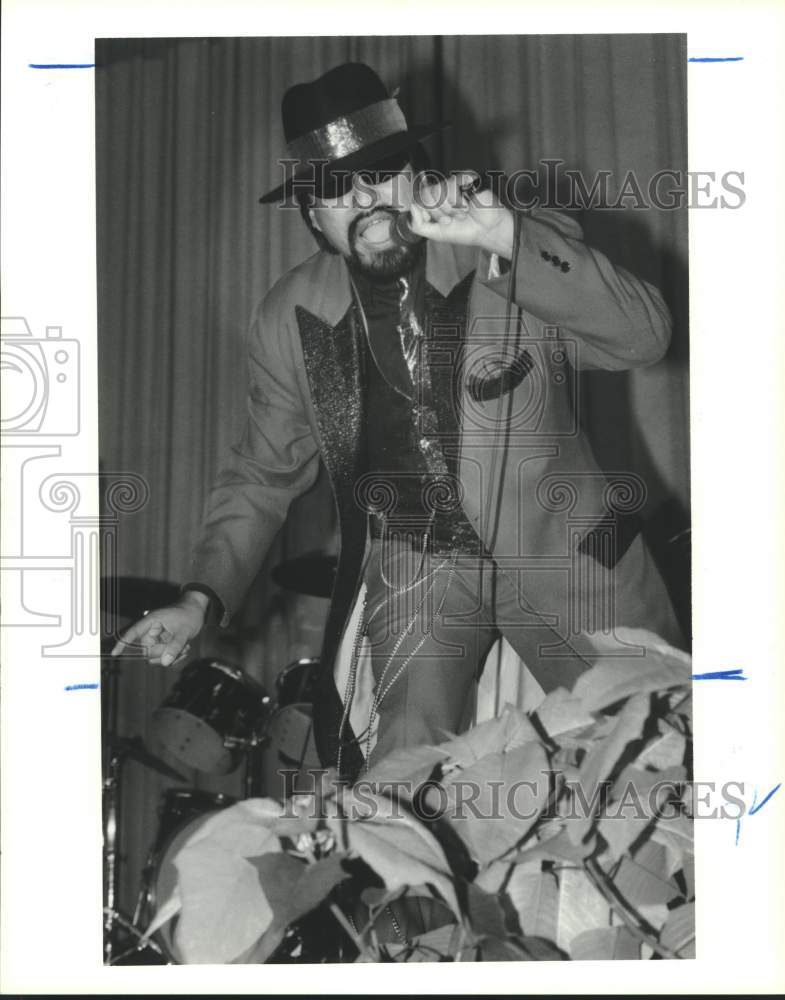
426, 355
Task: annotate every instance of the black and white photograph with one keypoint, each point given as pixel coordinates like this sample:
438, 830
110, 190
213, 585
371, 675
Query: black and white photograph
391, 526
395, 334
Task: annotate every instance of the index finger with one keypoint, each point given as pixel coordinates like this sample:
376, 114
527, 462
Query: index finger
136, 631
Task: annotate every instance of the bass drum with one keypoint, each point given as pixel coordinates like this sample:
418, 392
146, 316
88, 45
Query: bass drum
184, 812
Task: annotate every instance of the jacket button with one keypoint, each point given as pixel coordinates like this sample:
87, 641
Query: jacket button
555, 260
565, 266
545, 255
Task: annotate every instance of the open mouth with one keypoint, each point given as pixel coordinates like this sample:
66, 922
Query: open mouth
376, 229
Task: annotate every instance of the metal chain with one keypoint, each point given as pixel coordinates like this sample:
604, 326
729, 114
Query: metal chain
398, 591
381, 692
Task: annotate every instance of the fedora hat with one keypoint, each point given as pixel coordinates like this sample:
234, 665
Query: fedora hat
342, 122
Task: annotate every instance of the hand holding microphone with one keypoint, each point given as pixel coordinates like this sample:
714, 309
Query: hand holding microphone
457, 210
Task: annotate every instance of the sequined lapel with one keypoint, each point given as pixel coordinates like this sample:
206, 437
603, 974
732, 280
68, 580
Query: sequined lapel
332, 363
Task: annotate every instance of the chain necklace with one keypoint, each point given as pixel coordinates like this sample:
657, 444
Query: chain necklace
381, 690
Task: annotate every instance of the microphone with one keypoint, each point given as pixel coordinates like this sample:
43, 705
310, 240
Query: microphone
401, 230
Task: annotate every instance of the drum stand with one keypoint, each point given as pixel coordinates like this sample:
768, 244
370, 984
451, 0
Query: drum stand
142, 914
252, 771
115, 755
113, 917
113, 761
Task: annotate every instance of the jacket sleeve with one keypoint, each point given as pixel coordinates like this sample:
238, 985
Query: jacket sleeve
275, 460
620, 321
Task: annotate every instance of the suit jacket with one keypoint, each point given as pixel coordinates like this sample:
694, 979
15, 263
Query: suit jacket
502, 382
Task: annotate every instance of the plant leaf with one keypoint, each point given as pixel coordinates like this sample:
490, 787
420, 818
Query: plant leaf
664, 751
643, 881
224, 908
600, 762
581, 907
676, 836
644, 781
535, 896
432, 944
562, 712
688, 871
294, 888
615, 677
410, 764
248, 828
654, 913
678, 934
485, 913
604, 643
395, 845
541, 950
559, 847
621, 831
604, 943
491, 877
258, 953
502, 950
490, 804
509, 730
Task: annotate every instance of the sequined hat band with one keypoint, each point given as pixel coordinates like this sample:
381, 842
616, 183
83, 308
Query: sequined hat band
349, 134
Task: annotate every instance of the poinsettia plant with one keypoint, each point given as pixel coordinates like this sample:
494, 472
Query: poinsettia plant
563, 833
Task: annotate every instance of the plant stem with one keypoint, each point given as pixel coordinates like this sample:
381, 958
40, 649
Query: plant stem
603, 883
364, 950
461, 942
336, 911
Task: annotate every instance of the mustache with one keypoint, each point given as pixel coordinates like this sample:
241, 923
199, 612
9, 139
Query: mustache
380, 211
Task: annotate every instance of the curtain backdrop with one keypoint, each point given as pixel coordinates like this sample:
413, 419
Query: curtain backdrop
188, 133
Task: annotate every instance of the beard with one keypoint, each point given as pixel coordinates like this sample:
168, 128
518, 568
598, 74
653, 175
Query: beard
388, 261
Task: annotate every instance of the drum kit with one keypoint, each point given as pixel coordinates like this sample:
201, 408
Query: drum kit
215, 719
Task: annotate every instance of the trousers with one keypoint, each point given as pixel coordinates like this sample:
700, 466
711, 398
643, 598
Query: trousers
431, 619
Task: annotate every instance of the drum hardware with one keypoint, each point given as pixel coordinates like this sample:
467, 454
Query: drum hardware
214, 714
141, 943
121, 598
133, 748
118, 750
290, 727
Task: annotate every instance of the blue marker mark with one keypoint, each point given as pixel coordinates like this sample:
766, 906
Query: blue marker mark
715, 59
80, 687
756, 807
61, 65
721, 675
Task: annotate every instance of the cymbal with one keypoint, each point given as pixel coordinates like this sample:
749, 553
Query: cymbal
133, 747
313, 575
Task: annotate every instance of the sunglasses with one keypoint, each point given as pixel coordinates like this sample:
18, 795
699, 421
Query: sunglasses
328, 185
